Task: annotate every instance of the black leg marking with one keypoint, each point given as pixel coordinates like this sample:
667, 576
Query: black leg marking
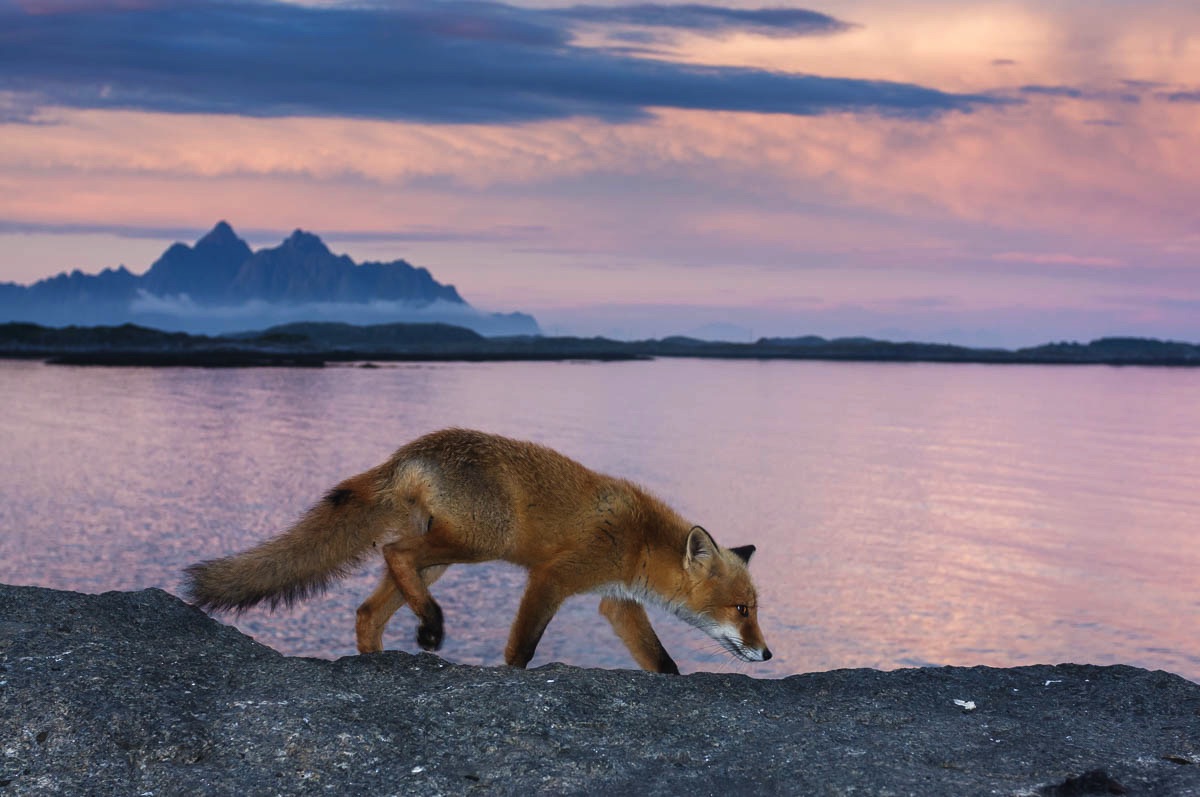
339, 496
431, 630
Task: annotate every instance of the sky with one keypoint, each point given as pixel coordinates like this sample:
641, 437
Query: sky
985, 173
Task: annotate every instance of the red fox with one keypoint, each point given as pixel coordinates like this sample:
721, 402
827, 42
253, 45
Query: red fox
458, 496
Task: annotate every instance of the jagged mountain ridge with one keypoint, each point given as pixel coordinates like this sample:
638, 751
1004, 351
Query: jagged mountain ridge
221, 285
221, 267
205, 271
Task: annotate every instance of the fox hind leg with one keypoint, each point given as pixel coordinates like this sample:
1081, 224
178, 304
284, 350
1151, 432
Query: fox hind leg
375, 612
629, 621
408, 560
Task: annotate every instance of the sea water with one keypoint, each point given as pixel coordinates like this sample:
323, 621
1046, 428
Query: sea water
905, 514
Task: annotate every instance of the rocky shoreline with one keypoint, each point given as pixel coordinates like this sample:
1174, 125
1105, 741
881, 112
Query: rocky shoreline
138, 693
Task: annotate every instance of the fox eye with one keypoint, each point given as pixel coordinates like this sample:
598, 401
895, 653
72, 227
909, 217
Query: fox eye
742, 610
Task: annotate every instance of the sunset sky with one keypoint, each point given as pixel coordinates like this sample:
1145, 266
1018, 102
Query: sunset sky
949, 170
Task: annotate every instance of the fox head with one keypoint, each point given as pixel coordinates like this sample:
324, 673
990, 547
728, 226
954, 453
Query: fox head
719, 598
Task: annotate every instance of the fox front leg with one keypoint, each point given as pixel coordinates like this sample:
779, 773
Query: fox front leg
543, 595
629, 621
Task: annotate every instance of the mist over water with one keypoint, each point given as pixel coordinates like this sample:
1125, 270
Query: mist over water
904, 514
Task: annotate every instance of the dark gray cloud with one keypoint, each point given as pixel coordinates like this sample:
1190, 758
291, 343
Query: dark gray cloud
707, 19
512, 232
1054, 91
1142, 85
1074, 93
1180, 96
8, 226
454, 62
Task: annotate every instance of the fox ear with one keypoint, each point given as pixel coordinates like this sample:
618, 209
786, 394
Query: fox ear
700, 549
744, 552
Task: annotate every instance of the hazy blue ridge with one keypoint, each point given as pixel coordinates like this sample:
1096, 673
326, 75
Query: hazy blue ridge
219, 285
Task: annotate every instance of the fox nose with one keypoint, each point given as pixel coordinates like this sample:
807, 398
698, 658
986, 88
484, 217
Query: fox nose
766, 654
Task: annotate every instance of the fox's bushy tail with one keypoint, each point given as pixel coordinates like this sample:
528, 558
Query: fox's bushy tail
327, 543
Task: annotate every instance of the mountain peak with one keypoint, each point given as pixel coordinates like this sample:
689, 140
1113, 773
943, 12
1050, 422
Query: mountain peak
202, 272
220, 231
222, 242
305, 242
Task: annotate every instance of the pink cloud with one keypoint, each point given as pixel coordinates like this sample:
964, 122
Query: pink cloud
1032, 206
1057, 259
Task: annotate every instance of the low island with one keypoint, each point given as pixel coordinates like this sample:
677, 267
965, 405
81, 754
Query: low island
315, 344
139, 693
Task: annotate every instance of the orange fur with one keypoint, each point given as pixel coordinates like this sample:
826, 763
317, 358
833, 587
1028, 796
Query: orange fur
460, 496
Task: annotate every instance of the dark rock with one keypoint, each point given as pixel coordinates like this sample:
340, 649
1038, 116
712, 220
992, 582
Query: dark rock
329, 335
419, 342
1095, 782
300, 344
138, 693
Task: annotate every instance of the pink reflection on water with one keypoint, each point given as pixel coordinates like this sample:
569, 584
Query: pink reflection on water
904, 515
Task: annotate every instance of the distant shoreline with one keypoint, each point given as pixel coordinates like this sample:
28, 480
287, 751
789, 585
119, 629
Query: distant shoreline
260, 359
314, 345
249, 359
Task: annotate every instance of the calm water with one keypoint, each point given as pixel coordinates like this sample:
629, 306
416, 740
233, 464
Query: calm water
904, 514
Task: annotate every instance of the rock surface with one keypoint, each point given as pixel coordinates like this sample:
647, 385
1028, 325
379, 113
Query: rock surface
138, 693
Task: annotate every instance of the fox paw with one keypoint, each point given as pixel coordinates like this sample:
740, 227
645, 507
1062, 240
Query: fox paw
430, 632
429, 637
